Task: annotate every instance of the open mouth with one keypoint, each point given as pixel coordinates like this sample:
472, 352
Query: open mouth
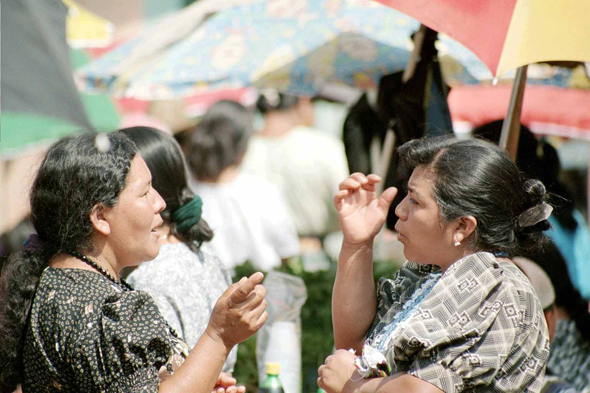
157, 225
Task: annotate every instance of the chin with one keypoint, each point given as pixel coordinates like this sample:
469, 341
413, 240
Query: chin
153, 254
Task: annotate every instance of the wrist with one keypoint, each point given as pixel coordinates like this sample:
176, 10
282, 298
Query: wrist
217, 339
365, 247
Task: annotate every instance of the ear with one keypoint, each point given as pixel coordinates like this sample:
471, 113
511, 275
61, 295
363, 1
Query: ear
465, 226
99, 220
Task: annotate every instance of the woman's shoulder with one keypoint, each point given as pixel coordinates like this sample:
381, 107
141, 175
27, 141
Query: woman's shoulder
515, 280
173, 266
74, 285
67, 290
173, 261
78, 301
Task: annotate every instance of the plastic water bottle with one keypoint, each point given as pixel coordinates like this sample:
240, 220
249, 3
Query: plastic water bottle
272, 384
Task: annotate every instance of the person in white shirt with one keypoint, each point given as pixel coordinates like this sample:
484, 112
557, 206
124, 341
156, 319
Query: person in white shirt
306, 164
248, 214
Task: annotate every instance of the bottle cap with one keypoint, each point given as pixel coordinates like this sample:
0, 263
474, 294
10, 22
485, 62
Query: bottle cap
273, 368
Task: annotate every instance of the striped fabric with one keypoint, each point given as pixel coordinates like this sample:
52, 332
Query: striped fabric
481, 328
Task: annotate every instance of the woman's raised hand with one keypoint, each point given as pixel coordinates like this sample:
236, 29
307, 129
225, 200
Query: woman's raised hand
239, 312
361, 213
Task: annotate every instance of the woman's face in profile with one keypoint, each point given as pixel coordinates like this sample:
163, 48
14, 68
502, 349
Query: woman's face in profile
135, 217
424, 235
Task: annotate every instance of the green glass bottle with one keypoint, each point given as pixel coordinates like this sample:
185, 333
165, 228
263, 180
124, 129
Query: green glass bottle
272, 384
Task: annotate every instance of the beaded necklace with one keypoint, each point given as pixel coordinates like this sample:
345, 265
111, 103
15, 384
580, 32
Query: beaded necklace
123, 284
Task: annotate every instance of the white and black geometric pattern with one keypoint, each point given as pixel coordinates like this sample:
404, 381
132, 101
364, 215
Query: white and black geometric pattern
481, 328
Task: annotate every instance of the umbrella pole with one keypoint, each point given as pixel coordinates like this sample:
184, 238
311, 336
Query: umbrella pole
415, 56
511, 125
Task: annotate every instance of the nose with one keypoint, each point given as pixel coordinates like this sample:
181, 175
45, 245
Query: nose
159, 203
400, 209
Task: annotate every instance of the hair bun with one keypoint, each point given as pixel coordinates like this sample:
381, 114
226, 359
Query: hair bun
535, 192
535, 209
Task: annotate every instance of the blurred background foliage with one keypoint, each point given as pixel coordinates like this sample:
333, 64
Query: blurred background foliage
317, 341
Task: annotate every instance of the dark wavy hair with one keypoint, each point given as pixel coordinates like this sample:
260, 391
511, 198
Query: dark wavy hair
476, 178
219, 140
74, 176
165, 160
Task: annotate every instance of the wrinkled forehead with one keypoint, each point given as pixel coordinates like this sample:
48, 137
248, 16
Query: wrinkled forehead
139, 174
422, 180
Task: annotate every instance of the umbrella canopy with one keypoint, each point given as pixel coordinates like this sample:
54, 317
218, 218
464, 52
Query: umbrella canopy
546, 109
40, 101
507, 34
296, 46
27, 132
85, 29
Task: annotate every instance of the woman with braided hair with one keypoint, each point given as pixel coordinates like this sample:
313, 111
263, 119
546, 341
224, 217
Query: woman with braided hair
458, 316
68, 321
187, 277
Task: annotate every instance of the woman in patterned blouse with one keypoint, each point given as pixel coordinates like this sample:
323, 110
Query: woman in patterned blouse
455, 318
68, 322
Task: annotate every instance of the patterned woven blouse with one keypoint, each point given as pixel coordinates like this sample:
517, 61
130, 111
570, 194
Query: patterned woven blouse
479, 328
87, 335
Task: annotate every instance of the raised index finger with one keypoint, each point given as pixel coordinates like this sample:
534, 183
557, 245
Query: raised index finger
244, 289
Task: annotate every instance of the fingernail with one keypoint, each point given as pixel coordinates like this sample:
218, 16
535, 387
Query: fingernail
243, 280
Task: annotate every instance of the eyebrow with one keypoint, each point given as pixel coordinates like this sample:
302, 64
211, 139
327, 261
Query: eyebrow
413, 191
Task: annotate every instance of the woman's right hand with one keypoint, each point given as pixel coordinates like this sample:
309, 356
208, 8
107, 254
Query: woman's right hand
239, 312
361, 213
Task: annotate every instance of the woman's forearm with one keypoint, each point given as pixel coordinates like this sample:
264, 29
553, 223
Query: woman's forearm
400, 382
201, 368
353, 298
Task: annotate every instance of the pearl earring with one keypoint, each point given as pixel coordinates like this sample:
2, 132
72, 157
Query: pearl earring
457, 243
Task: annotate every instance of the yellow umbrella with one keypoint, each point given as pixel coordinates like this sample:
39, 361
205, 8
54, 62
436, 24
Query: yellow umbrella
546, 30
509, 34
85, 29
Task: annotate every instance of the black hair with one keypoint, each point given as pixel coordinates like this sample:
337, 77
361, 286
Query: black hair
539, 160
12, 240
165, 160
74, 176
476, 178
219, 140
550, 259
275, 101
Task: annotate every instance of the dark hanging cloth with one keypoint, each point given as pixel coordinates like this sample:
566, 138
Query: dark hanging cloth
415, 109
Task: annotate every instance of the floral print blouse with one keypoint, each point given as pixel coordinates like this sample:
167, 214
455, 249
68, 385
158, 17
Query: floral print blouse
86, 334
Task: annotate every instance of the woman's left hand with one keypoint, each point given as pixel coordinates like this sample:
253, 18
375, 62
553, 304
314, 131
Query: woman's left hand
227, 384
336, 372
